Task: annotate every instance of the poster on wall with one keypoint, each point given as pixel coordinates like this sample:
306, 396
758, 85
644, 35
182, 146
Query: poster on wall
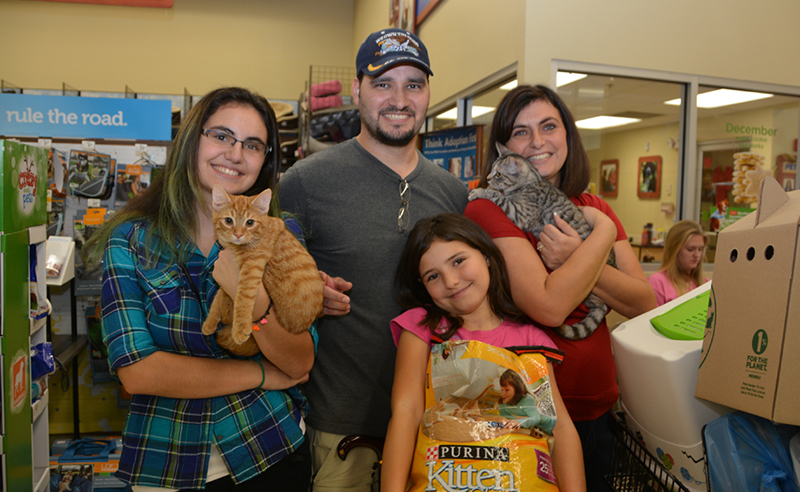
457, 150
609, 173
402, 14
649, 177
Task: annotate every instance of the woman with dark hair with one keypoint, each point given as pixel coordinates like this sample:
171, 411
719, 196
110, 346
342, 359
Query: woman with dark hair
200, 418
552, 275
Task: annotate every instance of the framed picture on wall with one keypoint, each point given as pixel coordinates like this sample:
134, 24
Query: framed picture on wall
402, 14
424, 7
609, 175
649, 177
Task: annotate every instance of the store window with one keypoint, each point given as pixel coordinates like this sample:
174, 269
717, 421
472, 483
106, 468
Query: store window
742, 137
443, 120
484, 105
632, 139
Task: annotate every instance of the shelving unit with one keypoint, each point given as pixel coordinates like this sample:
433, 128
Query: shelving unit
66, 348
24, 426
322, 128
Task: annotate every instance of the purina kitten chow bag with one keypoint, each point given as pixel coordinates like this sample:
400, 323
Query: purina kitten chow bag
489, 416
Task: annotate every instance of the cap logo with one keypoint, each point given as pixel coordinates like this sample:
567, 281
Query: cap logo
396, 43
372, 68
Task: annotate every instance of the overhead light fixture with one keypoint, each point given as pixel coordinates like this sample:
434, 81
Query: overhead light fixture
601, 122
722, 97
509, 86
453, 113
564, 78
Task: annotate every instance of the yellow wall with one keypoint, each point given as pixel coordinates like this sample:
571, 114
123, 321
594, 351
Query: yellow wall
196, 44
469, 40
268, 46
628, 147
737, 39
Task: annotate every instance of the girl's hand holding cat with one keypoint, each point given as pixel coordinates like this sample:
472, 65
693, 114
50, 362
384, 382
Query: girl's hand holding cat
226, 272
335, 302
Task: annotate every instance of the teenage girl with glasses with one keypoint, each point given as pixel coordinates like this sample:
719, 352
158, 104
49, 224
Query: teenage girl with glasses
199, 417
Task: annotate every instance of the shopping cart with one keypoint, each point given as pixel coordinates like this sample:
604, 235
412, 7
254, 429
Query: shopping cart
634, 468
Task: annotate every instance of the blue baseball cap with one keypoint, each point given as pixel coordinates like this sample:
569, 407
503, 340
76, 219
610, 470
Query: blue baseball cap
388, 47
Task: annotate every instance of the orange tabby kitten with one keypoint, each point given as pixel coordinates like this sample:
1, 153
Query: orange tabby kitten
266, 252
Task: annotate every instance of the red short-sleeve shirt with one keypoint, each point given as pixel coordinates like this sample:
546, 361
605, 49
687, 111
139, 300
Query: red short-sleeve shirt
587, 378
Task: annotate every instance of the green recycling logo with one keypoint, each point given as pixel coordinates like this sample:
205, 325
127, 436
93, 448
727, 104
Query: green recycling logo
760, 341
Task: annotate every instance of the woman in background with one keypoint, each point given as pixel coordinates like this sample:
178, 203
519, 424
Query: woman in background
682, 267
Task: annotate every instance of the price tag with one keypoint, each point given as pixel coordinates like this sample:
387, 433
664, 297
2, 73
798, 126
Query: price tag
93, 203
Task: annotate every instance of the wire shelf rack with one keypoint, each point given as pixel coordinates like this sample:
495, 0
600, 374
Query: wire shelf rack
636, 469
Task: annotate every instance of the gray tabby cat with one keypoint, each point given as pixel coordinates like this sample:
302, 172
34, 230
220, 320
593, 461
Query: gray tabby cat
530, 202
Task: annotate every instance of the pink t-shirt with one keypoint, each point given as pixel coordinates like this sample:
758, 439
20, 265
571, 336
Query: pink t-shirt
665, 291
508, 334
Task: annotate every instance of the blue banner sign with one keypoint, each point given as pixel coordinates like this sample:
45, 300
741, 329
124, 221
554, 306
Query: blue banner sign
23, 115
457, 150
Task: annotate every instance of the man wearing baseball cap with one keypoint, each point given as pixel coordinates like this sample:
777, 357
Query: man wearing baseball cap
357, 202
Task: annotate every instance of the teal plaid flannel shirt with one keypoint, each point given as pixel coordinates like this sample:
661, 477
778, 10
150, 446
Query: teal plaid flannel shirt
167, 441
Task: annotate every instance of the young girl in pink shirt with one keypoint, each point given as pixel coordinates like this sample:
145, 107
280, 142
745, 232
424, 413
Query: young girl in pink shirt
454, 283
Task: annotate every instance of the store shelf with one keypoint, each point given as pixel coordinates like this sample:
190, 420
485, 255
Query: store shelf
335, 109
38, 324
40, 405
41, 476
66, 348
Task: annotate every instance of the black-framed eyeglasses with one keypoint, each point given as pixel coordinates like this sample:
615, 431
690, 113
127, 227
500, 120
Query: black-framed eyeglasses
403, 216
252, 147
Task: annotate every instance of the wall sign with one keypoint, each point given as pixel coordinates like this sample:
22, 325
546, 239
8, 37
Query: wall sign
457, 150
24, 115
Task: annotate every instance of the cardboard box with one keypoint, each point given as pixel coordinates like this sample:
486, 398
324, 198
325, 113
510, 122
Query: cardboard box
751, 343
86, 464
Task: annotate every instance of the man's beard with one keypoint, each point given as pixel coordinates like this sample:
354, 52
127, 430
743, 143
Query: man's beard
391, 139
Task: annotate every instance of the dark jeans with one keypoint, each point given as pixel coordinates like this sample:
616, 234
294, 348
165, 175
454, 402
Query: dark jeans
598, 445
291, 474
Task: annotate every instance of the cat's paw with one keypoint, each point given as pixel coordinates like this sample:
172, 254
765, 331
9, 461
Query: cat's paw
477, 193
209, 326
241, 336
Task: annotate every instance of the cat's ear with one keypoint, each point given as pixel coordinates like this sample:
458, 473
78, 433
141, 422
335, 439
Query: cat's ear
502, 149
219, 197
261, 202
